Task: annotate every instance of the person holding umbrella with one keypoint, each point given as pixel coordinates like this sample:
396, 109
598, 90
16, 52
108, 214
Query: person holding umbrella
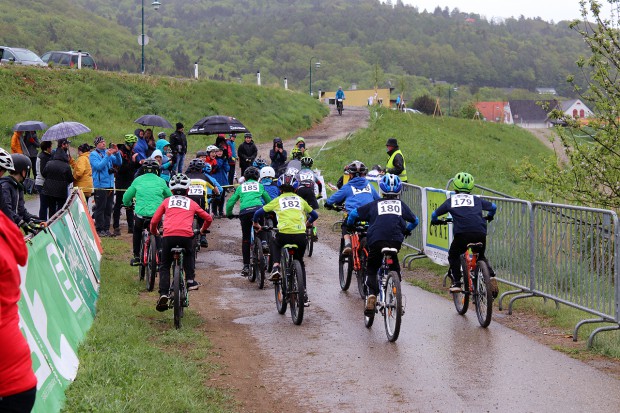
42, 159
32, 144
58, 176
233, 157
103, 161
178, 144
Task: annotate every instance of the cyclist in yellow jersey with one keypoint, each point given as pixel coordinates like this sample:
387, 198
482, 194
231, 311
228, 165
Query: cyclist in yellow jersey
200, 186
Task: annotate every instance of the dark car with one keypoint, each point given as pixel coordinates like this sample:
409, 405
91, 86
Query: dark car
69, 59
19, 56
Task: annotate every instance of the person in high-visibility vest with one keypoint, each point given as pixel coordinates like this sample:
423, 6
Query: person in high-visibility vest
396, 161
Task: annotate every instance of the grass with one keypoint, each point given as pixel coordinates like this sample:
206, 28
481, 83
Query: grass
133, 359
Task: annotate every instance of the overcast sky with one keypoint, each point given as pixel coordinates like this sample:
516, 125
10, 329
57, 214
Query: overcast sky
555, 10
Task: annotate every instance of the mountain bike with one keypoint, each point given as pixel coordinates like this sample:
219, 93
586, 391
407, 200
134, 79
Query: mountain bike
149, 256
359, 253
179, 298
339, 106
345, 261
390, 302
476, 283
290, 289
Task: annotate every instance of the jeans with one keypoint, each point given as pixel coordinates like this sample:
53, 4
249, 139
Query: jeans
166, 260
179, 162
104, 201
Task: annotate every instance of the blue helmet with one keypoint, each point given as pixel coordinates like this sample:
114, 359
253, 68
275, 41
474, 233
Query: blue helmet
259, 163
288, 182
207, 168
390, 184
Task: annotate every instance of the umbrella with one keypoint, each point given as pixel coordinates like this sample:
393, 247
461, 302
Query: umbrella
29, 125
153, 120
64, 130
212, 125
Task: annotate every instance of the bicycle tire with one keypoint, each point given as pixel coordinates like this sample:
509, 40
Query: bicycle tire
345, 268
361, 274
483, 295
196, 239
280, 285
261, 265
176, 295
143, 258
393, 311
461, 300
309, 244
297, 293
151, 267
254, 259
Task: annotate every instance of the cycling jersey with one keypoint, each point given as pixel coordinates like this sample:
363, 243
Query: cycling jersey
388, 219
308, 178
149, 190
355, 193
251, 193
466, 211
291, 211
179, 211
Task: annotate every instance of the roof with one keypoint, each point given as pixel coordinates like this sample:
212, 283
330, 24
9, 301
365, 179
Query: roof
531, 111
491, 110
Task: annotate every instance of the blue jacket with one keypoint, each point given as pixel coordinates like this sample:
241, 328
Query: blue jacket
140, 148
357, 192
466, 211
221, 175
270, 187
388, 219
102, 164
339, 94
233, 148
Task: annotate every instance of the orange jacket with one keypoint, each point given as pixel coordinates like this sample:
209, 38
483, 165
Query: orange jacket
16, 142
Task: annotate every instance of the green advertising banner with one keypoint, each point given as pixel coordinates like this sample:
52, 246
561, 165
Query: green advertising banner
437, 237
84, 228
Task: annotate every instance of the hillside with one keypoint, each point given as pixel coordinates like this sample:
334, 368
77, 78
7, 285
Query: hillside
232, 40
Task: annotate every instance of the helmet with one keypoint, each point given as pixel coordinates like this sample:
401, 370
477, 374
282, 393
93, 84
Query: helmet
207, 168
463, 182
357, 168
247, 135
296, 153
131, 138
21, 163
179, 182
288, 182
251, 173
6, 162
390, 184
307, 162
259, 163
150, 166
267, 172
201, 153
161, 135
211, 148
196, 165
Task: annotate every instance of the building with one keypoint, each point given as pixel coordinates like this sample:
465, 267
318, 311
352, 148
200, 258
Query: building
359, 97
498, 112
576, 108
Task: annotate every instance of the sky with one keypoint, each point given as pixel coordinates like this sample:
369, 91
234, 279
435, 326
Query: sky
548, 10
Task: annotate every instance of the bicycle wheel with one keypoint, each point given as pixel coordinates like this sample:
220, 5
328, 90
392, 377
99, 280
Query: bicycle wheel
461, 300
297, 293
196, 239
393, 306
143, 257
483, 296
345, 268
151, 267
261, 266
309, 243
176, 294
280, 285
361, 274
254, 259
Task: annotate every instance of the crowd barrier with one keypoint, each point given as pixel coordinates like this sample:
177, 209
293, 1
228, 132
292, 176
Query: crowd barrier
59, 290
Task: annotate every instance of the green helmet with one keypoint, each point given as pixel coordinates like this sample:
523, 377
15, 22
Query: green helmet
463, 182
131, 138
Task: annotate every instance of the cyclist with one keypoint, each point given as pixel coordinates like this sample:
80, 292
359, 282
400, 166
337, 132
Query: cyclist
389, 219
469, 225
200, 186
294, 215
149, 190
251, 195
13, 204
340, 97
259, 163
355, 193
267, 179
178, 231
309, 187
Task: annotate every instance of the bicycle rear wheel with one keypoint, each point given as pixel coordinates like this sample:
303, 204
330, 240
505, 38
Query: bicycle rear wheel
151, 267
176, 295
461, 300
196, 238
297, 293
254, 259
143, 257
261, 264
483, 295
361, 274
280, 286
393, 310
345, 268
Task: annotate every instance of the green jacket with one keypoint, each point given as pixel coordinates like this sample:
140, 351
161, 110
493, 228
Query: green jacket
251, 193
152, 191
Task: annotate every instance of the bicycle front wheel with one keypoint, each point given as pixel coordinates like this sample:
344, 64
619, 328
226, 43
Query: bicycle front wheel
176, 295
309, 244
393, 306
297, 293
261, 264
483, 295
361, 274
151, 266
143, 256
254, 259
280, 285
345, 269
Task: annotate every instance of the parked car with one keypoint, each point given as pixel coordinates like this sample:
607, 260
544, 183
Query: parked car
20, 56
69, 59
414, 111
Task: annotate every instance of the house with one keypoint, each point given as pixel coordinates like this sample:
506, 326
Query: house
498, 112
531, 113
576, 108
359, 97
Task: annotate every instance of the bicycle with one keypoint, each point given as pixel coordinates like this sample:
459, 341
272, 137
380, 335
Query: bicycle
290, 289
345, 261
390, 302
179, 297
339, 106
258, 263
359, 252
477, 283
309, 241
149, 256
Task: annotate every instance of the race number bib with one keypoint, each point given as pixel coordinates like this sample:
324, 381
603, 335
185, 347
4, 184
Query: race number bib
249, 187
290, 202
461, 200
195, 190
365, 190
306, 177
389, 207
178, 202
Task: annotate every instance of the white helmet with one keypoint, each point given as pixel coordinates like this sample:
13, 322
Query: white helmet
6, 162
267, 172
211, 148
180, 182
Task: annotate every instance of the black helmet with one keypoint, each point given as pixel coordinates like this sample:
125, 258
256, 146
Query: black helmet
307, 162
357, 168
251, 173
150, 166
21, 163
196, 165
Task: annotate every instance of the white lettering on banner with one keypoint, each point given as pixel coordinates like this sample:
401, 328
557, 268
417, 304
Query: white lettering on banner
66, 362
290, 202
196, 190
391, 206
65, 283
366, 190
176, 201
461, 200
43, 371
249, 187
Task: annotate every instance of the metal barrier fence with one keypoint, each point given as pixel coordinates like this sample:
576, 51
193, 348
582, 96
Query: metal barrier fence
412, 196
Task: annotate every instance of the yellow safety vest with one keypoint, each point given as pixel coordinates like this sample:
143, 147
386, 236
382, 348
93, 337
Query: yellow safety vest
390, 165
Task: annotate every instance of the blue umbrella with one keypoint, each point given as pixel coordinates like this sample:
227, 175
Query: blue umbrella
64, 130
29, 125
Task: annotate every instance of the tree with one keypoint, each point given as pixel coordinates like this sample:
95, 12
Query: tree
591, 175
425, 104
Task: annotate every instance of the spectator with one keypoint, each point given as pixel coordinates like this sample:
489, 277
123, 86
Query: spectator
148, 134
233, 157
18, 384
32, 143
140, 147
58, 177
151, 146
178, 144
221, 176
83, 173
13, 204
17, 143
396, 162
247, 152
300, 144
167, 166
123, 178
102, 161
6, 165
277, 154
44, 156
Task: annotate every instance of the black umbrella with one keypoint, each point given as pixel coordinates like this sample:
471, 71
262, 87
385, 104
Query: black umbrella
29, 125
212, 125
153, 120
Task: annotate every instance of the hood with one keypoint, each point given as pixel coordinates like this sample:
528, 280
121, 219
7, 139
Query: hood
137, 133
155, 153
359, 182
13, 239
60, 155
160, 144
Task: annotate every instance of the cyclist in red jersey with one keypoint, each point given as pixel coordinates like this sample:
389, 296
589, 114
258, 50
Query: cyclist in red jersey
178, 231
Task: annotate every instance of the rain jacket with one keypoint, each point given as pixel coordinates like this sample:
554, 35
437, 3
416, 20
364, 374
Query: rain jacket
42, 160
355, 193
150, 191
14, 206
128, 168
17, 143
221, 173
32, 143
165, 166
102, 165
247, 152
178, 142
83, 174
58, 176
140, 148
